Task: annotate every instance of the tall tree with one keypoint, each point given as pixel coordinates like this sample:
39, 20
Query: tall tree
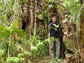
30, 17
81, 40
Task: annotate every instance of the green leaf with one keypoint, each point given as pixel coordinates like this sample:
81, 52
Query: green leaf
1, 53
4, 32
12, 60
21, 55
14, 25
24, 1
48, 0
20, 33
22, 60
47, 41
52, 39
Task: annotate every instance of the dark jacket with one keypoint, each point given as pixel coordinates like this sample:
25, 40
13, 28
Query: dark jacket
55, 30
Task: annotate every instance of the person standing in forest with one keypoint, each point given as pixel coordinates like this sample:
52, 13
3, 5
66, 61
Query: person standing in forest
55, 35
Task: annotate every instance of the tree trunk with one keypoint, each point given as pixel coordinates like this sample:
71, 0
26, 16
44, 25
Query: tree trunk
32, 14
30, 18
81, 1
81, 41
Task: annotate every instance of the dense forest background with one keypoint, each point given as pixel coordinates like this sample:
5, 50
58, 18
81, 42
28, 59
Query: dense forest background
24, 30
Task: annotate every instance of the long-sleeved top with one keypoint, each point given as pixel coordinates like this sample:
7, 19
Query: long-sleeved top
55, 29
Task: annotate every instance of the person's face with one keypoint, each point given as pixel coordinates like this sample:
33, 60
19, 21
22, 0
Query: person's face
54, 20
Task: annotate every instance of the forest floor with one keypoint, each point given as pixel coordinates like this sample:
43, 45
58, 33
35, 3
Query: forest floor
46, 59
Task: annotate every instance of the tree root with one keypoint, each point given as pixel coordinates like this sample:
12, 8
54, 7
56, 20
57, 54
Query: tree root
76, 58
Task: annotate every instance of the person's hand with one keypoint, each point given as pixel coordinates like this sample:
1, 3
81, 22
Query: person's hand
65, 35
